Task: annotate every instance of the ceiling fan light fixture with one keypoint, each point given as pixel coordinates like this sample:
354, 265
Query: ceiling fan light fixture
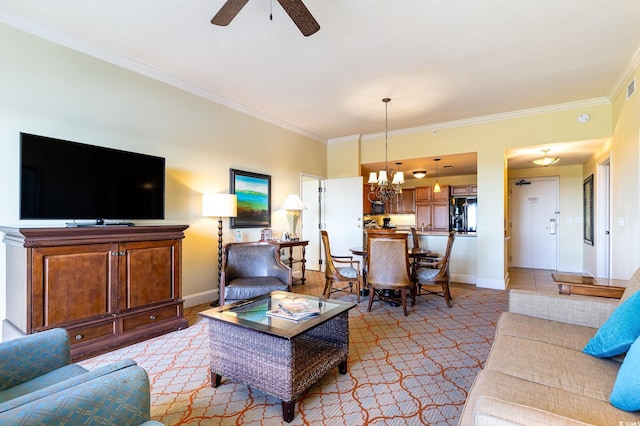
546, 160
419, 174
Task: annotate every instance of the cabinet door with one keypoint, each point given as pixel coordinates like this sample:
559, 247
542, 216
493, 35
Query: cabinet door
149, 272
459, 190
423, 193
443, 195
440, 217
71, 283
407, 203
423, 216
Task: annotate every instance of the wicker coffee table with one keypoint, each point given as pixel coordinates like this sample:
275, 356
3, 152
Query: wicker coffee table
280, 357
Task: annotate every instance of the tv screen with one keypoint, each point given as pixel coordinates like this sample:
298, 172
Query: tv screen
69, 180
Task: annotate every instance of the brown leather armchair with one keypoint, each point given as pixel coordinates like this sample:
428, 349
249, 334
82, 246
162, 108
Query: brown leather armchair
252, 269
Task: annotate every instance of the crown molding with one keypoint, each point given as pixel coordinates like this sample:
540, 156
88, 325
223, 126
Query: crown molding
492, 118
342, 139
626, 75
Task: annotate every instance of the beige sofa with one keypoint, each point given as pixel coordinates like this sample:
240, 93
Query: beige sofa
536, 372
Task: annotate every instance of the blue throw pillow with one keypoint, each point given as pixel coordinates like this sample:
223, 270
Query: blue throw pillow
618, 333
626, 390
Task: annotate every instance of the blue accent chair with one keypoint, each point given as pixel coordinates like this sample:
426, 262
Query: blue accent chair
40, 386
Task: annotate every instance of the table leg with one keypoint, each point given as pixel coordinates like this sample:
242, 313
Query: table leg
216, 379
303, 260
342, 367
288, 410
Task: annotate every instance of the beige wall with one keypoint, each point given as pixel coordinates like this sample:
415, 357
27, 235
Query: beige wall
625, 185
51, 90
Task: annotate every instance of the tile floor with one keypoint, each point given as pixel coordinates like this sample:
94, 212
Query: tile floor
532, 279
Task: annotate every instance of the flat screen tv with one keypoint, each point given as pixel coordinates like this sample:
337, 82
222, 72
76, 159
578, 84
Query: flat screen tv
69, 180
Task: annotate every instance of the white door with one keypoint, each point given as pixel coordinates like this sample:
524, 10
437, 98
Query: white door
343, 214
311, 221
534, 222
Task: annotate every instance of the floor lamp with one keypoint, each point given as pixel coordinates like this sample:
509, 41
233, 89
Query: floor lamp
220, 206
293, 205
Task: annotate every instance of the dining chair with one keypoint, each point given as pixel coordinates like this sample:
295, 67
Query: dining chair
348, 273
414, 238
434, 272
389, 270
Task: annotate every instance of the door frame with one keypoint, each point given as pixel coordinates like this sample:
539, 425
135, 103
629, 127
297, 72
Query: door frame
603, 219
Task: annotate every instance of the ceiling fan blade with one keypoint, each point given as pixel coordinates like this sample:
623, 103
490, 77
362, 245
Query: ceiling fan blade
228, 11
300, 16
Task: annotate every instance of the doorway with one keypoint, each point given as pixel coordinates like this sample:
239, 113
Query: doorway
603, 237
534, 222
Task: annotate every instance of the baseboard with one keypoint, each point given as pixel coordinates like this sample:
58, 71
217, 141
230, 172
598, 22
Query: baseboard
200, 298
492, 284
464, 279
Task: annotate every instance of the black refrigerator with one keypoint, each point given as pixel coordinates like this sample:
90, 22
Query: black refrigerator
463, 214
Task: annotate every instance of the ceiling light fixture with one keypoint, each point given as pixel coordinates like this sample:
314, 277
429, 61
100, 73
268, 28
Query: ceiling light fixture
546, 161
419, 174
385, 186
436, 187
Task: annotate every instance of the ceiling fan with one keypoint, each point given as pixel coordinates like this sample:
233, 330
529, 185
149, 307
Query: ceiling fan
296, 10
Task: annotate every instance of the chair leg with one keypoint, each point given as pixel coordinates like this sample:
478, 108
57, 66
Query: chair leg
327, 288
447, 294
403, 295
371, 293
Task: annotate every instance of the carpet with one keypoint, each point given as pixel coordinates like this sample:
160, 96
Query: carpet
413, 370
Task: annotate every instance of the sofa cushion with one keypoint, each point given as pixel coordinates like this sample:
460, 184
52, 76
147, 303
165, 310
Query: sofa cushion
632, 287
41, 382
557, 333
497, 398
246, 288
618, 333
68, 378
553, 366
626, 390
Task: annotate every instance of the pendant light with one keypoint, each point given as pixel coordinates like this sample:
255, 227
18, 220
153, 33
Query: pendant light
436, 187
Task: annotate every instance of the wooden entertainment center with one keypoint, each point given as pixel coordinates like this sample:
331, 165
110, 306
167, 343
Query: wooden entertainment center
109, 286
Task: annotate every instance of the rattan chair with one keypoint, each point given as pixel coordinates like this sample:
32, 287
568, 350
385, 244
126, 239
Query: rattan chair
339, 269
431, 273
389, 271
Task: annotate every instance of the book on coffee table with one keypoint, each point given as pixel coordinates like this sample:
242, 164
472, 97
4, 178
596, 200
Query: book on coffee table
294, 310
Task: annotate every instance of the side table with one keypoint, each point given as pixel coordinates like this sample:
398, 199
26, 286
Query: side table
291, 260
588, 286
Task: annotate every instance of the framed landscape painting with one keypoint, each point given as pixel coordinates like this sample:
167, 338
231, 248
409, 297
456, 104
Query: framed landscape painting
253, 191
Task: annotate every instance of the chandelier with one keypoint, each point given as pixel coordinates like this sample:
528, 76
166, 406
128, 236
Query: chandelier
385, 186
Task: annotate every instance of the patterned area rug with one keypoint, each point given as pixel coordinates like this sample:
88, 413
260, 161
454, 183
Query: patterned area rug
402, 370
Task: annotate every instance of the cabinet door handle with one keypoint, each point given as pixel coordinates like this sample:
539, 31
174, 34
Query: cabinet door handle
79, 336
152, 317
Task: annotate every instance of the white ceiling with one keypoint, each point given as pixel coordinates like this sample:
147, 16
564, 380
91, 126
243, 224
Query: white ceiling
439, 61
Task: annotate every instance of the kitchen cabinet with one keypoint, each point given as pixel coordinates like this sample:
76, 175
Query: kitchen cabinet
423, 194
434, 216
458, 190
443, 195
405, 204
108, 286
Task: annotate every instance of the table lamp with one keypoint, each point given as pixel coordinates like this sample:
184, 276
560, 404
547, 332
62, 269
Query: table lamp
220, 206
293, 205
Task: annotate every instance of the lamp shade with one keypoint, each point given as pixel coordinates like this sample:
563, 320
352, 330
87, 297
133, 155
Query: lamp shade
219, 205
293, 202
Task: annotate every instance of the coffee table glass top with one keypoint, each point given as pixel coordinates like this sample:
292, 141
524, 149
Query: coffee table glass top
252, 313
